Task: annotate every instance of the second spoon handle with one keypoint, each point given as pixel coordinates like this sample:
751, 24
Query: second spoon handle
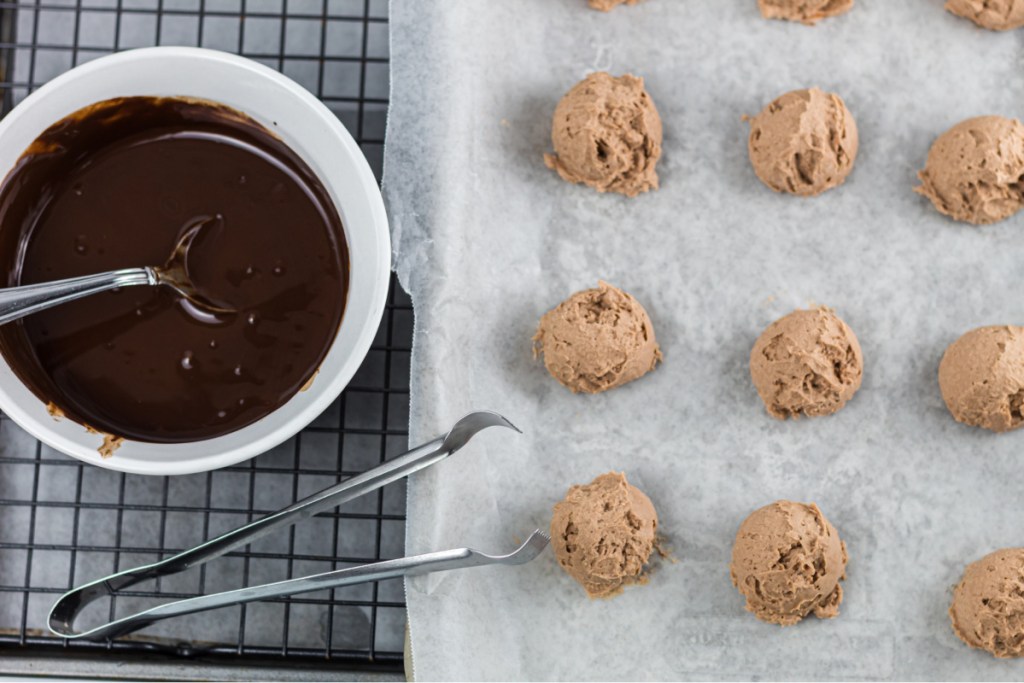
17, 302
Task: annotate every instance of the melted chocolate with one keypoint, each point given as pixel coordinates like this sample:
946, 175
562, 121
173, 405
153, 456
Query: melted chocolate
115, 185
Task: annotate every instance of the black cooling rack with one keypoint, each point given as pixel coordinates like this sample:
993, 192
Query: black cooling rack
63, 523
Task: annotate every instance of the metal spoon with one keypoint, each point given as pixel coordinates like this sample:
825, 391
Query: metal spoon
17, 302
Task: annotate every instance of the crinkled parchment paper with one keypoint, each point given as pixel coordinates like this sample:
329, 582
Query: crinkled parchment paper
487, 239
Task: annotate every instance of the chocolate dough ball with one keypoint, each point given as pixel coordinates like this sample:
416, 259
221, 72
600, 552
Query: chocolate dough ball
975, 170
806, 11
603, 534
609, 5
806, 363
596, 340
995, 15
988, 604
803, 143
982, 378
787, 562
607, 134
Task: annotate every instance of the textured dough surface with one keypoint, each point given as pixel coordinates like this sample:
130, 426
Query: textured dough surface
603, 533
804, 142
975, 170
596, 340
981, 377
607, 134
806, 363
995, 15
808, 12
988, 604
609, 5
787, 562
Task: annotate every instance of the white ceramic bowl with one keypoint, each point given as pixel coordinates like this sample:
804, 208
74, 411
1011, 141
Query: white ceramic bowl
315, 134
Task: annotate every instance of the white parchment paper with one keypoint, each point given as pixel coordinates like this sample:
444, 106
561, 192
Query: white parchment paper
487, 239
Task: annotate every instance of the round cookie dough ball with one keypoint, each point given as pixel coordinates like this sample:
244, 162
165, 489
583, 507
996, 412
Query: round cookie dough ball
996, 15
988, 604
806, 11
603, 533
975, 170
607, 134
982, 378
803, 143
609, 5
806, 363
787, 562
596, 340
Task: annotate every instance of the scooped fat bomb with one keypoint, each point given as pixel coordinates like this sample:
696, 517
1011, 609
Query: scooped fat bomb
607, 134
609, 5
806, 11
982, 378
803, 143
787, 562
596, 340
996, 15
603, 534
988, 604
806, 363
975, 170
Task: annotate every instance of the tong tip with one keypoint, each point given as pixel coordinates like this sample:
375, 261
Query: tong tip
469, 425
533, 546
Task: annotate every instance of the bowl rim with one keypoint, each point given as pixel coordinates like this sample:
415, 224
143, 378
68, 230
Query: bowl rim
206, 455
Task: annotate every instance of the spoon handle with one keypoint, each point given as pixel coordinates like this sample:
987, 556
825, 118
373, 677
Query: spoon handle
17, 302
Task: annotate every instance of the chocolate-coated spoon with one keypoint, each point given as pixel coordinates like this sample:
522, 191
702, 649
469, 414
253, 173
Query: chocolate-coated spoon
17, 302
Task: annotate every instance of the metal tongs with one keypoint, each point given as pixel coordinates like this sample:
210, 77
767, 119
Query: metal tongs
68, 606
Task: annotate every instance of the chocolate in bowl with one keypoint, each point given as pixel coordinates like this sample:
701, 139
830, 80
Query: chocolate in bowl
115, 185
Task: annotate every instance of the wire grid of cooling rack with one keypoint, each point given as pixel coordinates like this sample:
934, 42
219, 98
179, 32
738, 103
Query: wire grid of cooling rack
63, 523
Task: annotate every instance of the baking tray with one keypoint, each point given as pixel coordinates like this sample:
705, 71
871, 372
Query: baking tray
487, 239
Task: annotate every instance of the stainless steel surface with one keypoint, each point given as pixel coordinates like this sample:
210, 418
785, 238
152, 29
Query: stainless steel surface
441, 561
174, 273
68, 606
17, 302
